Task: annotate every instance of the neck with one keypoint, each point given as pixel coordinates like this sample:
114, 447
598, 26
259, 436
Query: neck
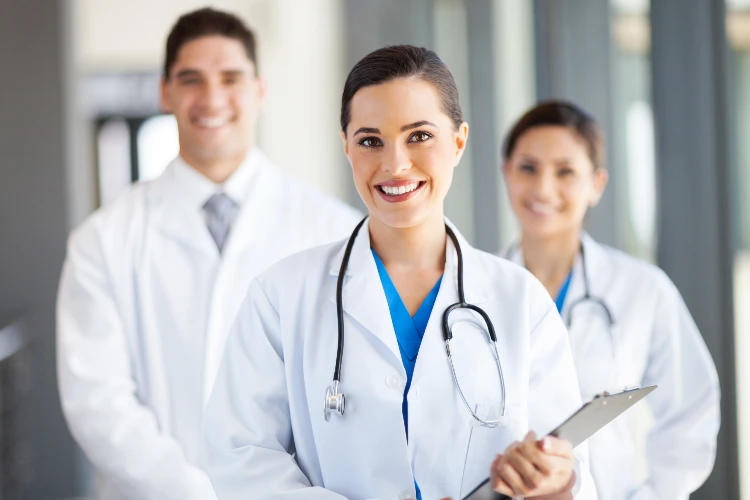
216, 170
418, 247
550, 259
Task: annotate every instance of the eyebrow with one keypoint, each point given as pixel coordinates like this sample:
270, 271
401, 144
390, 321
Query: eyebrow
194, 72
187, 72
367, 130
371, 130
417, 125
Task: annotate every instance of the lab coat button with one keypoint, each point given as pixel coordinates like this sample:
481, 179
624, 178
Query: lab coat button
393, 381
407, 495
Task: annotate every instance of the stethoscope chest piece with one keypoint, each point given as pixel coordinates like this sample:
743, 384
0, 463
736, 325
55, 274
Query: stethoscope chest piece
335, 401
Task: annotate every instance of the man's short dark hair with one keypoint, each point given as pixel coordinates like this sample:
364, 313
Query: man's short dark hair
207, 22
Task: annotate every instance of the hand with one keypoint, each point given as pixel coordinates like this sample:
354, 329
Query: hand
530, 468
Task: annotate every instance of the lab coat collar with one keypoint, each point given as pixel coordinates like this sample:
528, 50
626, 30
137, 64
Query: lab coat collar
367, 304
194, 189
596, 256
598, 268
178, 195
598, 264
598, 271
361, 260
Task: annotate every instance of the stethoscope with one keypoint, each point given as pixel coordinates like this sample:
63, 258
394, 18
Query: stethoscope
587, 297
335, 401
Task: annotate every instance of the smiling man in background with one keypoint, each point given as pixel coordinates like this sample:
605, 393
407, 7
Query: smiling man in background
152, 283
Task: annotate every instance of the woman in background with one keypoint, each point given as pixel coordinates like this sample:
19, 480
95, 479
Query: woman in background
628, 324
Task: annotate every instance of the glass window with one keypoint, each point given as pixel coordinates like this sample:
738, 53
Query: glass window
114, 162
632, 139
158, 144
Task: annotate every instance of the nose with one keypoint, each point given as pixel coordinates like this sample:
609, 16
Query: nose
545, 184
397, 160
214, 95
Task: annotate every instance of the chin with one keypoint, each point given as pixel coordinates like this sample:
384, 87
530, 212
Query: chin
398, 220
543, 231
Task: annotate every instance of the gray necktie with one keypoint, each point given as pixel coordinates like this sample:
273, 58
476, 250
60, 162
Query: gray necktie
219, 211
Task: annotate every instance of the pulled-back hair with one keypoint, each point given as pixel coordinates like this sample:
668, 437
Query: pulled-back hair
402, 61
562, 114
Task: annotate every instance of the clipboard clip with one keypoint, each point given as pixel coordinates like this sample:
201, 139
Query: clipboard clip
625, 389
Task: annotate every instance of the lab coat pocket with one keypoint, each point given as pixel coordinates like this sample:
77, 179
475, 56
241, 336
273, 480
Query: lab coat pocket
484, 444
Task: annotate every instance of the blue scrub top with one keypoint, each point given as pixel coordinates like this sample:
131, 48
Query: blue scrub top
560, 300
409, 331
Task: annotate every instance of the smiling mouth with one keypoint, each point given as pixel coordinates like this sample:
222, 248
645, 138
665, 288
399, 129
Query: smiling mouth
541, 208
399, 190
211, 123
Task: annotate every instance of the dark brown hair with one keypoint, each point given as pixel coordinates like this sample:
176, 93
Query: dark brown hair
207, 22
562, 114
402, 61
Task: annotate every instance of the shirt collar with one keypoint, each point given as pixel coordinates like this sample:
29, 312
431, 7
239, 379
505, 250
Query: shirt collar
195, 188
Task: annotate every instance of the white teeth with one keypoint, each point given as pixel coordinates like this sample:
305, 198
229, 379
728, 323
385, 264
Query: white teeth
394, 191
542, 208
212, 122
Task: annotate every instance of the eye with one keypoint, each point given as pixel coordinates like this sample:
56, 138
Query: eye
565, 172
190, 81
419, 137
232, 79
370, 142
527, 168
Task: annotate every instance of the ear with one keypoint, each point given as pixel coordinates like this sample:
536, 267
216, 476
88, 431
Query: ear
462, 136
261, 89
164, 96
601, 177
344, 143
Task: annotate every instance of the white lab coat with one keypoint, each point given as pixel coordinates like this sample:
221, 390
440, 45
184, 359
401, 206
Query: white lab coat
264, 427
142, 279
656, 342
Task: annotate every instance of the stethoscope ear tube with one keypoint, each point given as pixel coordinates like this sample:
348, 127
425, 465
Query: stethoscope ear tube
340, 301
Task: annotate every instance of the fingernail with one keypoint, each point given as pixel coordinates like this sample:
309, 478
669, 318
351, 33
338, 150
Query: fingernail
546, 444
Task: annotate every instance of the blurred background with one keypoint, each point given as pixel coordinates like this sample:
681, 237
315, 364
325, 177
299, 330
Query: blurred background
669, 80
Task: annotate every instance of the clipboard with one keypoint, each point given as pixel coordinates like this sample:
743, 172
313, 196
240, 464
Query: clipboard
580, 426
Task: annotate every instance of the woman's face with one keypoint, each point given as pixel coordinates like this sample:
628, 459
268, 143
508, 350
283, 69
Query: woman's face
551, 181
402, 148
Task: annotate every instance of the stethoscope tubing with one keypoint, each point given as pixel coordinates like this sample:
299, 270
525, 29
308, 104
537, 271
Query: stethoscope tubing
335, 401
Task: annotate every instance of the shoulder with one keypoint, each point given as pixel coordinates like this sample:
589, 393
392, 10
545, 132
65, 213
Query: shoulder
513, 284
109, 226
499, 266
635, 272
508, 274
299, 272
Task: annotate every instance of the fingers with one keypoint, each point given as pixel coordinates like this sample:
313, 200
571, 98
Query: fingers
531, 466
529, 462
513, 480
531, 450
498, 483
556, 447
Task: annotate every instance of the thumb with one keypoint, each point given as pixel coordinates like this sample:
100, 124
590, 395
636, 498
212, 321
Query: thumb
556, 446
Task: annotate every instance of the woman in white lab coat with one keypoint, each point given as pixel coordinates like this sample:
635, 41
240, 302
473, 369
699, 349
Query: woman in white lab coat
404, 431
628, 324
